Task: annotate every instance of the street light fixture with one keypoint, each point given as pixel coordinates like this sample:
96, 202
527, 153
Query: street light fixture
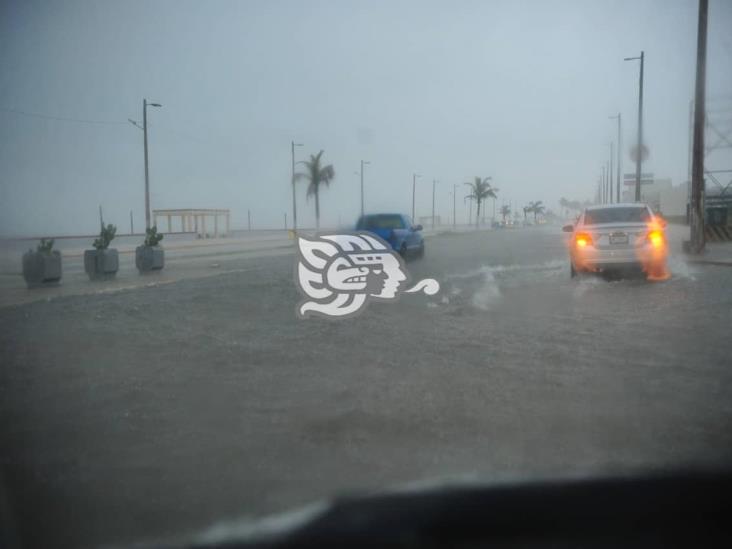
362, 165
639, 150
145, 105
294, 199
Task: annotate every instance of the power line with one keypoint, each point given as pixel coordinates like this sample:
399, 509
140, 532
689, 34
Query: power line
62, 118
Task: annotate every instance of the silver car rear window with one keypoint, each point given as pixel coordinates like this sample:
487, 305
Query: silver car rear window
617, 215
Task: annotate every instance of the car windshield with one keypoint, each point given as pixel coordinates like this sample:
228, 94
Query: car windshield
259, 255
598, 216
381, 222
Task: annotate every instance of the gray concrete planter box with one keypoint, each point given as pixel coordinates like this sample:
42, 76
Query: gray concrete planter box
149, 259
42, 269
101, 264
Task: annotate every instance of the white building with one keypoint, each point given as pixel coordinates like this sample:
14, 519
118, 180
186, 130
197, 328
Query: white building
661, 195
673, 200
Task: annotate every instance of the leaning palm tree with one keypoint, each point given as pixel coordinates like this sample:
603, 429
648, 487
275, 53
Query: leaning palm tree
480, 189
536, 207
316, 175
505, 212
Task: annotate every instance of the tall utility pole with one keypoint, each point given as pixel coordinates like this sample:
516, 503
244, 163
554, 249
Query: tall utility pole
610, 180
691, 140
697, 166
362, 163
147, 179
603, 192
294, 199
639, 149
454, 208
434, 182
620, 156
639, 160
689, 161
132, 224
414, 191
145, 105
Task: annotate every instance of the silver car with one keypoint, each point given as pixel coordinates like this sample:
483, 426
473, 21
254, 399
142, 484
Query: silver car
618, 237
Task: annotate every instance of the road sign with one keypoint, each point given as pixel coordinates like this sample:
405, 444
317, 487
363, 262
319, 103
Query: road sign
646, 179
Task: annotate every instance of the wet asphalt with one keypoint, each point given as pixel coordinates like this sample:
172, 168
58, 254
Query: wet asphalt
152, 412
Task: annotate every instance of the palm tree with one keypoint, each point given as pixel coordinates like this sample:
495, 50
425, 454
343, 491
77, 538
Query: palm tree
480, 189
316, 175
505, 212
536, 207
526, 209
564, 204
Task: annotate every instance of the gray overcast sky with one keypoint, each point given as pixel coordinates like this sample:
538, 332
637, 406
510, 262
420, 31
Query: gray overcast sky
518, 90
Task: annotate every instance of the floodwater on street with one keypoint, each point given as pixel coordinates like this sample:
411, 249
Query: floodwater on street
146, 413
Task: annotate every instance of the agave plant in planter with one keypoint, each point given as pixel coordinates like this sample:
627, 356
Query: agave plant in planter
42, 267
102, 262
150, 257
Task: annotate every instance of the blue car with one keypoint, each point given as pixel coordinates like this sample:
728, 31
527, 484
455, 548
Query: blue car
397, 230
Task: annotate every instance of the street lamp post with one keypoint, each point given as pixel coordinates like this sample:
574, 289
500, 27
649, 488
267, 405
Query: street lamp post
294, 199
610, 179
639, 151
145, 105
434, 182
620, 156
604, 186
362, 164
490, 178
414, 191
454, 208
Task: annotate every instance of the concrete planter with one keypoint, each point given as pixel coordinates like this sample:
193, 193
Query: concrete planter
101, 264
149, 259
42, 269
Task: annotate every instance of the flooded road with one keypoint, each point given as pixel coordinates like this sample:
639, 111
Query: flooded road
155, 411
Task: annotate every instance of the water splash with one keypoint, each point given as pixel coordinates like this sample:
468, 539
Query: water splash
493, 277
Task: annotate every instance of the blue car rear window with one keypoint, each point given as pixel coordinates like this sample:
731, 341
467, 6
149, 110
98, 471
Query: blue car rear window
381, 222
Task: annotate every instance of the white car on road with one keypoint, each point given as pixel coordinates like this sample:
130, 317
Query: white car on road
617, 237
